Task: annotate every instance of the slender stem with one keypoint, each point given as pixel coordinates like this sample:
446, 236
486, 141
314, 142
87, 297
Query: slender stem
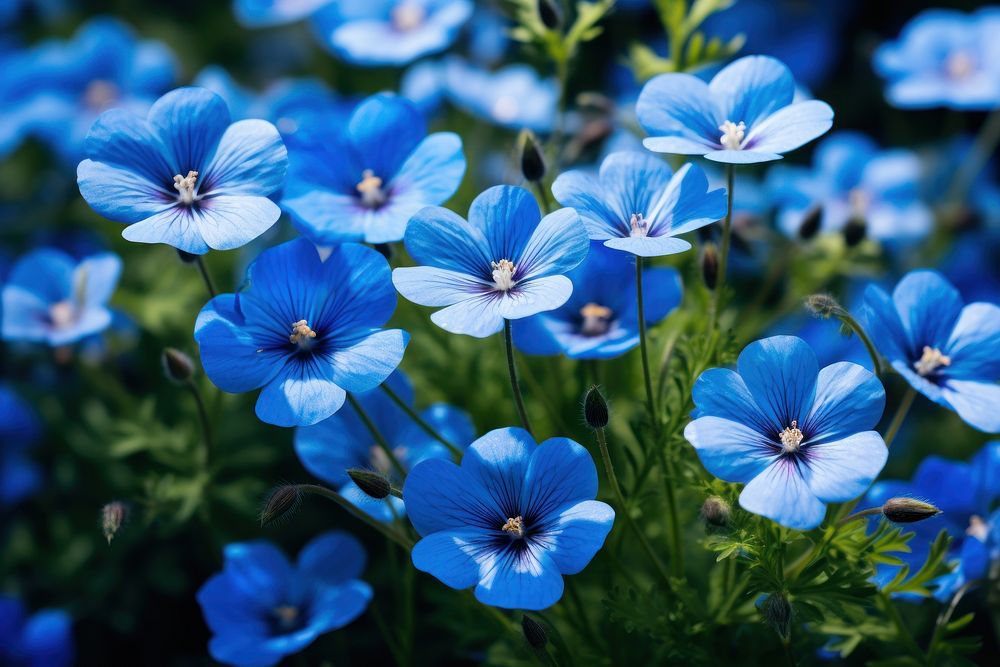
363, 516
871, 511
514, 384
609, 468
859, 330
206, 276
379, 438
673, 518
727, 233
901, 631
643, 351
897, 421
421, 422
543, 197
945, 616
206, 425
982, 149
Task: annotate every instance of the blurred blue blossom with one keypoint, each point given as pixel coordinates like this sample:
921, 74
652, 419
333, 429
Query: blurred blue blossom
511, 521
184, 176
948, 351
263, 13
943, 164
364, 182
965, 493
488, 35
261, 607
19, 431
513, 97
501, 264
944, 58
600, 320
51, 298
329, 448
852, 179
43, 639
745, 114
305, 330
797, 435
639, 205
424, 85
57, 89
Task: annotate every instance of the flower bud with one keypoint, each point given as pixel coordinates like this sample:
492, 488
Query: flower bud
908, 510
595, 408
532, 160
113, 515
810, 223
549, 13
710, 265
374, 484
177, 366
778, 613
854, 231
280, 504
715, 511
822, 305
187, 257
534, 633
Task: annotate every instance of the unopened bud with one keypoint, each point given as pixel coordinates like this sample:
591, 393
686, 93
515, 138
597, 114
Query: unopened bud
532, 160
822, 305
550, 14
710, 265
374, 484
854, 232
534, 633
595, 408
177, 366
280, 504
715, 511
187, 257
778, 613
908, 510
810, 223
113, 515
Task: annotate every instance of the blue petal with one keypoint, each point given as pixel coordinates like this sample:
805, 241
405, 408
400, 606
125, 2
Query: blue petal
231, 609
578, 533
849, 399
752, 88
649, 246
363, 296
581, 191
384, 130
928, 306
883, 323
560, 471
121, 139
789, 128
780, 373
325, 217
781, 494
534, 296
302, 393
229, 353
728, 449
432, 172
948, 484
437, 237
439, 496
681, 106
741, 156
176, 226
977, 403
498, 463
687, 203
557, 245
251, 159
335, 606
47, 273
986, 470
838, 471
190, 121
364, 360
48, 639
478, 316
260, 571
452, 556
507, 215
720, 392
329, 448
122, 195
431, 286
974, 343
333, 558
262, 13
528, 580
227, 222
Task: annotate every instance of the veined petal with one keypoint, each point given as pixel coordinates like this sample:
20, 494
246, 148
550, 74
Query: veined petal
231, 221
687, 203
439, 496
679, 145
884, 325
357, 275
849, 399
929, 307
176, 226
730, 450
781, 494
232, 359
557, 245
527, 579
364, 359
720, 392
250, 160
977, 403
649, 246
840, 470
534, 296
578, 533
190, 122
451, 556
121, 194
507, 216
581, 191
302, 393
477, 316
431, 286
560, 471
680, 105
432, 172
324, 216
498, 463
752, 88
780, 373
122, 139
437, 237
790, 127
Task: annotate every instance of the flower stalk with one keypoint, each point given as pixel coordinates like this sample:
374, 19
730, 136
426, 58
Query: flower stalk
421, 422
514, 384
379, 438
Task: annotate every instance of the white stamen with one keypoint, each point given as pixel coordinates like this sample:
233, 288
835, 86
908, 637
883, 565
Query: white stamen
978, 528
732, 135
931, 360
959, 65
370, 188
596, 319
639, 225
858, 200
408, 16
514, 527
503, 274
62, 314
185, 187
302, 335
791, 438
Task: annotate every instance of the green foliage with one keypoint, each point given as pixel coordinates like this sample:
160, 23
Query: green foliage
558, 45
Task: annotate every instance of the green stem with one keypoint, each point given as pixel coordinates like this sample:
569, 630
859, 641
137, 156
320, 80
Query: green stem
543, 197
945, 616
421, 422
514, 384
379, 438
901, 631
871, 511
859, 330
206, 426
900, 416
206, 276
643, 351
727, 233
673, 518
982, 149
361, 515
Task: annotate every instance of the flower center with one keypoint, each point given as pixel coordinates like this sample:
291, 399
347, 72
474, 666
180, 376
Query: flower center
408, 16
858, 200
100, 94
732, 135
978, 528
505, 109
639, 225
370, 187
959, 65
596, 319
302, 335
62, 314
287, 615
791, 438
930, 361
514, 527
503, 274
185, 187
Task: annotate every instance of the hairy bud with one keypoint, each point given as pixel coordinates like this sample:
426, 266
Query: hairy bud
854, 231
374, 484
908, 510
177, 366
822, 305
595, 408
532, 160
113, 516
710, 265
810, 223
281, 503
534, 633
777, 612
550, 14
715, 511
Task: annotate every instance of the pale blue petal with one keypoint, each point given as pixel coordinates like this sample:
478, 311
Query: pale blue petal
677, 145
649, 246
841, 470
680, 105
250, 160
741, 156
437, 237
532, 297
687, 204
730, 450
301, 394
451, 556
790, 128
781, 494
752, 88
190, 121
507, 215
557, 245
430, 286
780, 372
477, 316
720, 392
977, 403
527, 580
227, 222
324, 216
176, 226
849, 399
432, 172
578, 533
121, 194
362, 361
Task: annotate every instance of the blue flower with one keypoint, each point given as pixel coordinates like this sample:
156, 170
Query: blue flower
600, 320
19, 430
513, 97
366, 180
261, 608
305, 330
798, 436
745, 114
501, 264
184, 176
265, 13
948, 351
51, 298
374, 33
56, 90
44, 639
943, 58
423, 84
637, 204
853, 179
511, 520
330, 447
965, 494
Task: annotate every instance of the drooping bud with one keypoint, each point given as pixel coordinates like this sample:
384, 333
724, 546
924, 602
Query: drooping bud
177, 366
595, 408
715, 511
187, 257
281, 503
822, 305
777, 612
374, 484
534, 633
710, 265
113, 515
810, 223
550, 14
908, 510
532, 160
854, 231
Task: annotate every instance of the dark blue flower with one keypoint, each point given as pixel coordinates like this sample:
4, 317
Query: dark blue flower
511, 521
600, 320
44, 639
51, 298
798, 436
330, 447
305, 330
745, 114
639, 205
948, 351
184, 176
943, 58
514, 96
366, 180
503, 263
19, 430
261, 608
